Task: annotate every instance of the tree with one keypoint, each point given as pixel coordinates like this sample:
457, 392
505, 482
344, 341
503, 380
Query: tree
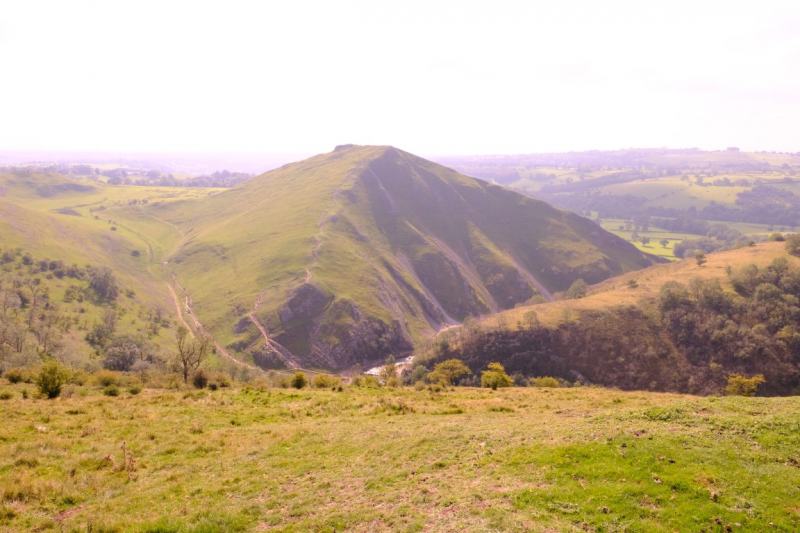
495, 376
449, 372
191, 352
103, 331
700, 258
578, 289
664, 243
104, 284
123, 352
741, 385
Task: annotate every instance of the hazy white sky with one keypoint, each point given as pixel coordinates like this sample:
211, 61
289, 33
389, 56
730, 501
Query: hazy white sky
433, 77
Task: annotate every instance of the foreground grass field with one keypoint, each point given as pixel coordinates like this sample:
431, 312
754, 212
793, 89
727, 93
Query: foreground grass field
398, 459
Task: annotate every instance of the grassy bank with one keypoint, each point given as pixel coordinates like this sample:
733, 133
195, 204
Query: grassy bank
397, 459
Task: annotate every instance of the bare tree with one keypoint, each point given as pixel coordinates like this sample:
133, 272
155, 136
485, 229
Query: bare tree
191, 352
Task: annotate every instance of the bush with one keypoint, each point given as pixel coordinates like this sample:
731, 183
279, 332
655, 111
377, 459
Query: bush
777, 237
133, 390
449, 372
578, 289
51, 378
5, 395
545, 381
16, 375
106, 378
793, 244
741, 385
298, 380
367, 381
199, 379
78, 377
495, 376
111, 390
326, 381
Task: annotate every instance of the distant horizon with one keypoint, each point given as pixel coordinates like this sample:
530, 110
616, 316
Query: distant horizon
444, 78
255, 162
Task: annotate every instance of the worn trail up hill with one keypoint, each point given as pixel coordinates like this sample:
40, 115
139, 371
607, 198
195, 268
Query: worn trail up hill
355, 254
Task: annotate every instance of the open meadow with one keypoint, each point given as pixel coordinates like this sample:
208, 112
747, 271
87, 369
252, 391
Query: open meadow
397, 459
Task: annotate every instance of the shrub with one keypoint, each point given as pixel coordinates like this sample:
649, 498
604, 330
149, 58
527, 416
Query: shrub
111, 390
449, 372
578, 289
495, 376
793, 244
366, 381
213, 386
777, 237
15, 375
105, 378
741, 385
51, 378
134, 390
5, 395
78, 377
545, 381
298, 380
326, 381
700, 258
199, 379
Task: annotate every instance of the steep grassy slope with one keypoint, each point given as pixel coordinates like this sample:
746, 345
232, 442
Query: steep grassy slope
349, 256
518, 459
676, 327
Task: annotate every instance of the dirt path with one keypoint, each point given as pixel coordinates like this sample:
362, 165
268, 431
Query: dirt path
278, 349
199, 329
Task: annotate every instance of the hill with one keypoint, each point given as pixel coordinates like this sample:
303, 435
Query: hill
346, 257
674, 327
58, 237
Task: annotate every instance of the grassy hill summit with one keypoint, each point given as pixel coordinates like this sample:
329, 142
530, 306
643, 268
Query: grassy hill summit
349, 256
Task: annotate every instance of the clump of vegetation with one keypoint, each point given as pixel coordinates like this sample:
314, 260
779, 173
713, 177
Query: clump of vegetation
111, 390
495, 377
448, 372
298, 380
578, 289
793, 244
700, 258
16, 375
51, 378
741, 385
326, 381
545, 382
107, 378
199, 379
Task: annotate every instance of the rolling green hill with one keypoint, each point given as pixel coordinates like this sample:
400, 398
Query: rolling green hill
349, 256
658, 194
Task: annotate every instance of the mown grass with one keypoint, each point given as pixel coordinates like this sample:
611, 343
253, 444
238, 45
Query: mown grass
398, 459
